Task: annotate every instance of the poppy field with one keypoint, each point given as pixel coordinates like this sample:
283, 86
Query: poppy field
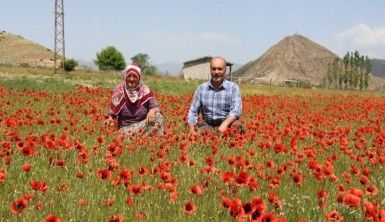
312, 156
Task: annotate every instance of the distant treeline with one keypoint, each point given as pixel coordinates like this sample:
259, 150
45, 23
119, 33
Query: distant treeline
351, 72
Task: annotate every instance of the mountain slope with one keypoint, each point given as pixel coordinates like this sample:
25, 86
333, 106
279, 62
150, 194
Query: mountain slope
15, 50
378, 67
294, 57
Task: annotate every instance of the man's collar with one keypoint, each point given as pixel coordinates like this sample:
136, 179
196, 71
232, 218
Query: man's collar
224, 84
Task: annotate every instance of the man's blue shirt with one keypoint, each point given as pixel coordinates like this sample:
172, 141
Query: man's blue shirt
215, 104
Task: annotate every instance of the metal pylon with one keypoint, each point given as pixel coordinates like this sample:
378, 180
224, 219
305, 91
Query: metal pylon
59, 51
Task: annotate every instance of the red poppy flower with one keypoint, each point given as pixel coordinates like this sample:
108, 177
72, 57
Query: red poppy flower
270, 164
195, 189
130, 202
253, 185
125, 174
6, 145
357, 192
322, 194
352, 200
83, 157
80, 175
100, 139
28, 150
115, 218
60, 163
139, 215
174, 196
226, 202
82, 202
142, 170
381, 215
370, 210
372, 190
236, 209
297, 178
273, 197
210, 161
52, 218
39, 186
248, 208
135, 189
3, 175
18, 205
243, 178
227, 176
334, 216
269, 217
109, 202
26, 167
257, 213
189, 208
103, 174
170, 187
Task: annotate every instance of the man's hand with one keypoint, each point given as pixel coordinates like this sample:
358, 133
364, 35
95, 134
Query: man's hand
222, 128
192, 130
226, 123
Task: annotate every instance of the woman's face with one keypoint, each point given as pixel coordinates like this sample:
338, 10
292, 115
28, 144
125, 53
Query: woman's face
132, 80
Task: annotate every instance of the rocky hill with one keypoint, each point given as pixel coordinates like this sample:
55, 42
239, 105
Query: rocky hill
378, 67
293, 58
16, 50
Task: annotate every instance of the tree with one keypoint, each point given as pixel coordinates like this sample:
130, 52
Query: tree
110, 59
144, 62
70, 64
352, 72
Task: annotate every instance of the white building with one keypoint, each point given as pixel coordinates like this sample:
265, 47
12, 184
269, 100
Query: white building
200, 68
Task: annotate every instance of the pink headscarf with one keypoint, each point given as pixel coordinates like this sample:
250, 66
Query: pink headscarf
132, 97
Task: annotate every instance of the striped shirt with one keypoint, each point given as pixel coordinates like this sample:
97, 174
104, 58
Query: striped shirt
215, 104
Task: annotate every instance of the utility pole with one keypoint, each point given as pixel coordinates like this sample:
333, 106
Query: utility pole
59, 51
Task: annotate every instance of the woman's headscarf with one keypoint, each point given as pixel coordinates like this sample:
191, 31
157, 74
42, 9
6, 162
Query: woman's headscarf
136, 96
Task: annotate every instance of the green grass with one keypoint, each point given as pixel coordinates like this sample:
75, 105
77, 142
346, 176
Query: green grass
29, 94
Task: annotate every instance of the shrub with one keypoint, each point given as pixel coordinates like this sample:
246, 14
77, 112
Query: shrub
70, 64
110, 59
144, 60
24, 64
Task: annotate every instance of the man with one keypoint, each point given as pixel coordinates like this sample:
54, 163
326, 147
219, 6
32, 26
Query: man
218, 100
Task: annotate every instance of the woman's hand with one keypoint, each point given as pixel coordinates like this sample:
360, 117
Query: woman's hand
151, 115
109, 121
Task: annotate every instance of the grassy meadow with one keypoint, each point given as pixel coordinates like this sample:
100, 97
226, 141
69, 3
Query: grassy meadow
306, 154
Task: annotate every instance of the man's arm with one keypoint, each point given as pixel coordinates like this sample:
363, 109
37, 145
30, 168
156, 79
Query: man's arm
226, 123
192, 117
235, 109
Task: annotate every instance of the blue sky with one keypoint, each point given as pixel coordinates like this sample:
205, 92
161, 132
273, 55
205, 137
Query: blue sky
176, 31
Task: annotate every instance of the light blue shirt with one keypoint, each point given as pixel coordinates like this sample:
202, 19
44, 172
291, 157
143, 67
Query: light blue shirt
215, 104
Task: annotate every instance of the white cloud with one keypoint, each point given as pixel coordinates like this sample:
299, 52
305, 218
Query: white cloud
362, 35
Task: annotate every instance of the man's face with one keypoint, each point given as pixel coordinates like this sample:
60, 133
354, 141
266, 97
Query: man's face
217, 69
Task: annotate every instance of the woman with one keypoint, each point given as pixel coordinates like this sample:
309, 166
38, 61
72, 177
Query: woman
134, 105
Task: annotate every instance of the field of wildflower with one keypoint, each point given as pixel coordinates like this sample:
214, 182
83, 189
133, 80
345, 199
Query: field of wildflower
305, 155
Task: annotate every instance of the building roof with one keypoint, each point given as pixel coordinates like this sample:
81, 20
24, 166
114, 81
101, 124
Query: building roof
203, 59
